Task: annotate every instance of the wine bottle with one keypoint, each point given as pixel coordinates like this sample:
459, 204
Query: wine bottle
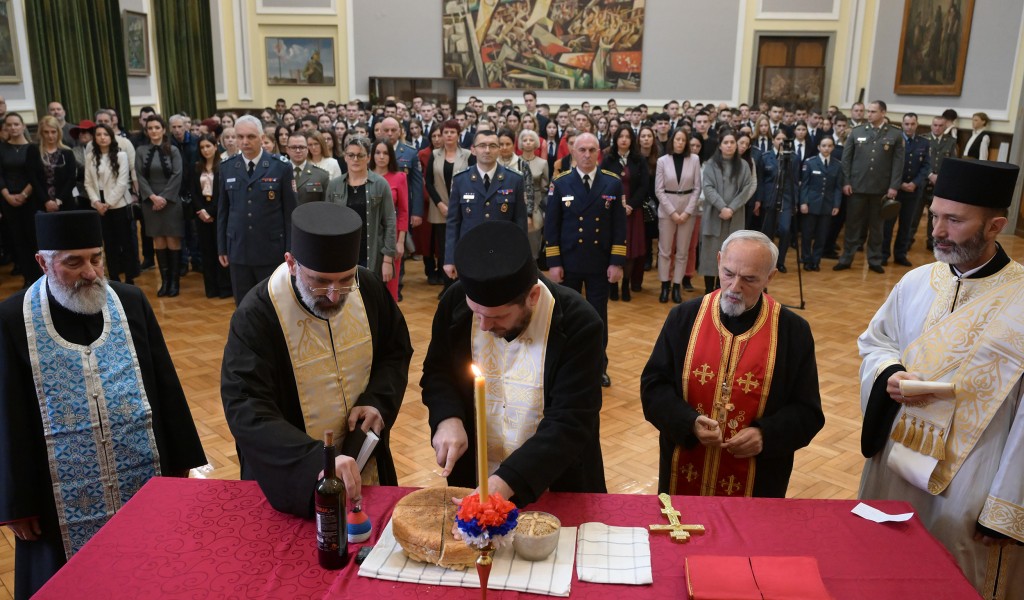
331, 534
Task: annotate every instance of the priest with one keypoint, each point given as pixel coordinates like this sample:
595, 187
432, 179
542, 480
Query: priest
319, 345
957, 455
90, 404
539, 346
732, 383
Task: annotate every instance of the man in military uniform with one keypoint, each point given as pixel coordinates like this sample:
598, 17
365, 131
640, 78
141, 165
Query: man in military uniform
585, 229
257, 197
484, 192
310, 181
941, 145
872, 168
916, 168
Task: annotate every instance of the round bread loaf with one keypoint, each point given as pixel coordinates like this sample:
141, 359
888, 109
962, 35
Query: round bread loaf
422, 523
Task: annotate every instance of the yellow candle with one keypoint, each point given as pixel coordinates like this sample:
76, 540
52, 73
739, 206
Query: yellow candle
480, 398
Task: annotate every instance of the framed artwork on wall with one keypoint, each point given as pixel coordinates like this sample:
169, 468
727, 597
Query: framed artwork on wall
300, 60
10, 62
136, 42
933, 47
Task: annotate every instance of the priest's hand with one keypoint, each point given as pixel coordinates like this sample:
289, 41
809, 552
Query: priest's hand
370, 417
450, 443
747, 443
707, 431
27, 530
346, 469
892, 387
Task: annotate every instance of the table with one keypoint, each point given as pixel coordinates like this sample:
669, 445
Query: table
197, 538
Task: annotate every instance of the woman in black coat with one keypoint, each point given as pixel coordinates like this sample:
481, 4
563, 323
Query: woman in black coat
624, 160
205, 187
19, 169
58, 172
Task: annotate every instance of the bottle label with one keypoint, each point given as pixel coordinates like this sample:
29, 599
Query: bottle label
327, 530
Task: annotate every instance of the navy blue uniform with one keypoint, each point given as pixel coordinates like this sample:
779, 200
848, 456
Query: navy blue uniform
917, 165
585, 233
470, 204
821, 190
255, 223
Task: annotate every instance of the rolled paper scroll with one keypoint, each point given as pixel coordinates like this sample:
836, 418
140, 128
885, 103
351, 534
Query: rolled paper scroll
910, 388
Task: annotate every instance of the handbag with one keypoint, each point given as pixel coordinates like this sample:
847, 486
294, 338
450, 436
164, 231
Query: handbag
650, 211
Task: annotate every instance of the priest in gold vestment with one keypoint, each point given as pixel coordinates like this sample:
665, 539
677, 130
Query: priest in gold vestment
318, 345
957, 456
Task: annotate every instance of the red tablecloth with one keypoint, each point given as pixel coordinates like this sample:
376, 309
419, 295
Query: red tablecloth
195, 538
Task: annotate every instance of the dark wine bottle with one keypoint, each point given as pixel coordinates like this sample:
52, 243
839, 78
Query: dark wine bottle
331, 535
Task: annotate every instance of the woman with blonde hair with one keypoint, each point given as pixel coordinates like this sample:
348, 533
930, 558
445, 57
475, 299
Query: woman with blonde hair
55, 182
320, 156
530, 143
977, 145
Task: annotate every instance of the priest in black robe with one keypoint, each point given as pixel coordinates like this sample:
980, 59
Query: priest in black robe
732, 383
319, 345
71, 255
539, 348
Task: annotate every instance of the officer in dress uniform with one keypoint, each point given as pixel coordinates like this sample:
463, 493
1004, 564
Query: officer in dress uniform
872, 168
486, 191
585, 229
310, 181
257, 197
820, 196
941, 145
916, 168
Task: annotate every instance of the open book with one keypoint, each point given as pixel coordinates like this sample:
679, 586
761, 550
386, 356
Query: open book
359, 445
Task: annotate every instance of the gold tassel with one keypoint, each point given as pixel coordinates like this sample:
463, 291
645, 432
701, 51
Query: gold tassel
916, 433
939, 451
928, 442
908, 437
901, 429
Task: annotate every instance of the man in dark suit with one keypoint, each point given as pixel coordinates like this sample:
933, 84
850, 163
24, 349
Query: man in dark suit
310, 181
530, 99
466, 129
484, 192
257, 197
916, 168
585, 229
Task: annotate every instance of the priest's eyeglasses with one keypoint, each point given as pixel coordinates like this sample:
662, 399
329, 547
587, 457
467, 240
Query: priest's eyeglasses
340, 290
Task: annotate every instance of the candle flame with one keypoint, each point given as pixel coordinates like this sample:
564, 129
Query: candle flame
476, 371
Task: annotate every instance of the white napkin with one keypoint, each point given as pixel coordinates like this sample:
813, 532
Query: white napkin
551, 576
606, 554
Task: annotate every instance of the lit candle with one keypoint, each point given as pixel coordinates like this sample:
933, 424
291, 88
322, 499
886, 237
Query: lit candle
480, 398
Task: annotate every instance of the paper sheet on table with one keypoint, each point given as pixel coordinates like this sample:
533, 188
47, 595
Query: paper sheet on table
873, 514
551, 576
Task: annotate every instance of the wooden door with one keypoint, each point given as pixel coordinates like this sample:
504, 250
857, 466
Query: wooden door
791, 71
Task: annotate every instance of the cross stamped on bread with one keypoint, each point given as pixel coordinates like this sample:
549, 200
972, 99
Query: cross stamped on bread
679, 532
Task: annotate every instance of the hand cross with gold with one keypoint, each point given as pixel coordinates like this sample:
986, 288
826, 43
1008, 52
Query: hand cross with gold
679, 532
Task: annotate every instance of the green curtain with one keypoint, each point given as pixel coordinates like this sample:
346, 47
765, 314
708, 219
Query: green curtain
77, 56
185, 55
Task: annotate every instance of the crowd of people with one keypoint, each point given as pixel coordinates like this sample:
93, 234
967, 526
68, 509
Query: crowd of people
490, 198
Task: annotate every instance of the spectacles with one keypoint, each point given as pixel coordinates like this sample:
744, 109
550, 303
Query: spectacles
298, 147
340, 290
354, 156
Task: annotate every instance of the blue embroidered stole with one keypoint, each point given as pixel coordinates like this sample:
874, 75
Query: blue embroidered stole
96, 417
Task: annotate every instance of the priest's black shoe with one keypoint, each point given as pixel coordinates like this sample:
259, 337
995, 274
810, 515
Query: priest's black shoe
606, 381
663, 298
876, 268
841, 267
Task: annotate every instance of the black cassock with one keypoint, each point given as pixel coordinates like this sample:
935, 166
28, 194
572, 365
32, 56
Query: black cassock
262, 406
564, 455
792, 415
26, 489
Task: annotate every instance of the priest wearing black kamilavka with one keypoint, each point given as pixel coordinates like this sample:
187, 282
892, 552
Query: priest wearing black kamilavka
90, 404
732, 384
539, 346
319, 345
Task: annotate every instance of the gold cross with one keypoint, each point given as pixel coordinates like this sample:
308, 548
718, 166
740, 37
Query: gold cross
747, 382
730, 485
679, 532
689, 472
704, 374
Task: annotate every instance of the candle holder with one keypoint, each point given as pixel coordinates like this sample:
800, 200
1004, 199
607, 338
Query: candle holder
486, 526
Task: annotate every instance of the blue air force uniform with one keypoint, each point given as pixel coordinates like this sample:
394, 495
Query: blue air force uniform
821, 190
585, 233
409, 163
917, 165
470, 203
255, 218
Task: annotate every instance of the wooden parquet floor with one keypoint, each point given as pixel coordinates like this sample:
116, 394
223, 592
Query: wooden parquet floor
838, 307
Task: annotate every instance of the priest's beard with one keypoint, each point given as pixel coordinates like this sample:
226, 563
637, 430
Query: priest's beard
511, 333
732, 303
960, 254
321, 306
82, 297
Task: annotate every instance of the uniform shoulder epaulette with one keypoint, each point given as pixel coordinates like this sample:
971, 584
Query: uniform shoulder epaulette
613, 174
560, 174
466, 170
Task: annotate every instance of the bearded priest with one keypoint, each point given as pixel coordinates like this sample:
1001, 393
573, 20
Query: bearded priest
90, 404
956, 325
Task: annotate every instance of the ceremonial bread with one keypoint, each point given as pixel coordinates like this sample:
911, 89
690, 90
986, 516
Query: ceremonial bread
422, 524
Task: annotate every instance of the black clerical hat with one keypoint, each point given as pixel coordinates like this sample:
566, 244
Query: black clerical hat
69, 230
977, 182
494, 263
326, 236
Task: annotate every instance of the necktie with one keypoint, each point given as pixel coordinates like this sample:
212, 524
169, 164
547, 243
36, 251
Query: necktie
775, 130
487, 182
764, 145
298, 171
800, 153
826, 164
586, 182
252, 167
551, 149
